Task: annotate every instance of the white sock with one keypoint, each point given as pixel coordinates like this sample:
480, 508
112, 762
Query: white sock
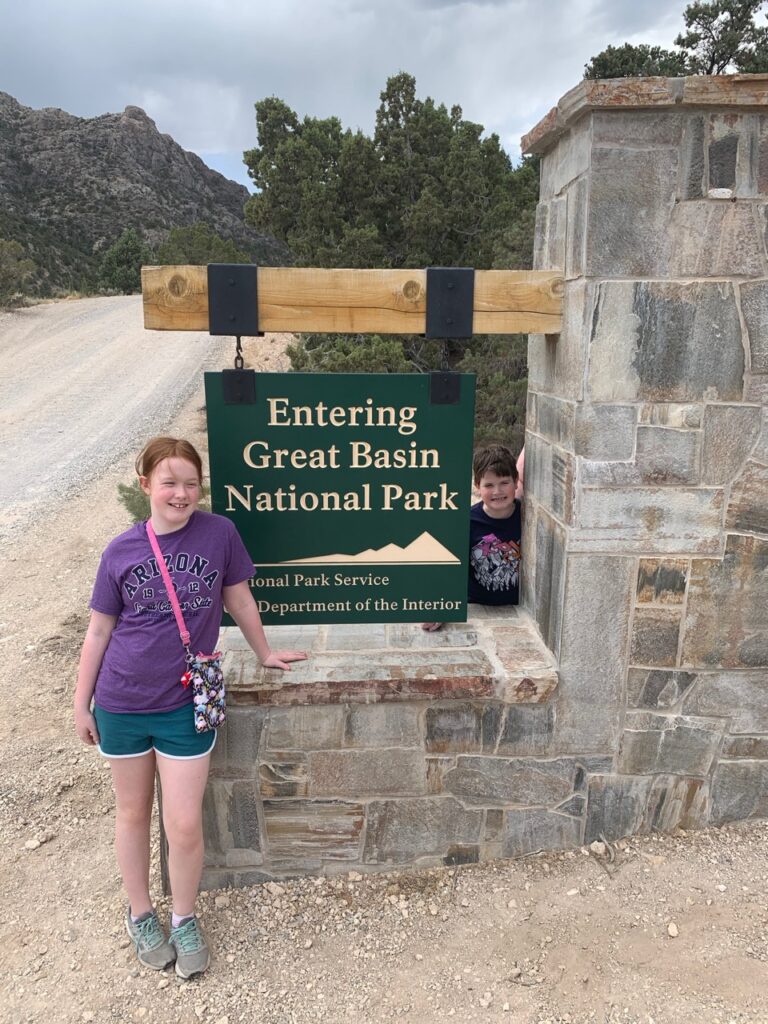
176, 919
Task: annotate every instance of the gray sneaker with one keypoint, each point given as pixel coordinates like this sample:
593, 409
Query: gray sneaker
152, 947
192, 953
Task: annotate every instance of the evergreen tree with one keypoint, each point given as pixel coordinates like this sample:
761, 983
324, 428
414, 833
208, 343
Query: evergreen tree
120, 267
641, 61
427, 189
720, 36
500, 362
198, 245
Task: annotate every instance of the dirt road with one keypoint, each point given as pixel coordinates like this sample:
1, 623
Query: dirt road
655, 930
81, 384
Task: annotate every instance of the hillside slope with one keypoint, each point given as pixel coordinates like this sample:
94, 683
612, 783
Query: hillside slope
69, 186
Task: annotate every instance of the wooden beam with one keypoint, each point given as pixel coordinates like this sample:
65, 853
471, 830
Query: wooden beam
342, 301
355, 301
175, 298
518, 302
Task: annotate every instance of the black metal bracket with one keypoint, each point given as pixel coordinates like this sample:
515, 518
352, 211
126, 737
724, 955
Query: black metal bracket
450, 302
238, 387
233, 306
444, 387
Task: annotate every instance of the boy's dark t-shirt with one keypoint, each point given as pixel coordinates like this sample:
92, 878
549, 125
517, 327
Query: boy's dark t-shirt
494, 557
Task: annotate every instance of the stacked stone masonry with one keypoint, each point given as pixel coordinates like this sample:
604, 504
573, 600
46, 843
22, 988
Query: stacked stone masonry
630, 691
390, 746
646, 542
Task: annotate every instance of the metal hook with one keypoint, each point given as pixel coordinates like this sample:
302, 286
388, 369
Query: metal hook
239, 364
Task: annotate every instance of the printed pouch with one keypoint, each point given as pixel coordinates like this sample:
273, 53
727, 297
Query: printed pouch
205, 676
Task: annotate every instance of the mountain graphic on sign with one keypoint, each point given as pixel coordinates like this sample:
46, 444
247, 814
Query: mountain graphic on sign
425, 550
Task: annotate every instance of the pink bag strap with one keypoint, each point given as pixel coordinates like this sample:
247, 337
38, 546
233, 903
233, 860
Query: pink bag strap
183, 631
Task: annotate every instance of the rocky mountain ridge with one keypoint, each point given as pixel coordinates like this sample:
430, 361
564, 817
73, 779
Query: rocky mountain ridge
70, 185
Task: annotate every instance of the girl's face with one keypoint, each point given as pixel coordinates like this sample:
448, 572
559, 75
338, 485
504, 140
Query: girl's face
174, 491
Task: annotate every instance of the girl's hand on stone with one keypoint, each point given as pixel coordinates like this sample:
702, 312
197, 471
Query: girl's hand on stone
280, 659
85, 725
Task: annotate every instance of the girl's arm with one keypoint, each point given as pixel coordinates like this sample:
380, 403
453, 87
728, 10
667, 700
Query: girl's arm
239, 602
95, 644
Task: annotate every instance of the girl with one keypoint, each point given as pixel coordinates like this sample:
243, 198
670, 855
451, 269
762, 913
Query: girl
142, 718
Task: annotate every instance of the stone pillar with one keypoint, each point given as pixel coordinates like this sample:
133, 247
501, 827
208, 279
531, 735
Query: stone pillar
645, 549
646, 537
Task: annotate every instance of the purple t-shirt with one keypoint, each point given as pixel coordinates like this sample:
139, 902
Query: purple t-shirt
144, 660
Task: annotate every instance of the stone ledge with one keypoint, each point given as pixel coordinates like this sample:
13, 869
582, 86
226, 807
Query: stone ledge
740, 91
498, 654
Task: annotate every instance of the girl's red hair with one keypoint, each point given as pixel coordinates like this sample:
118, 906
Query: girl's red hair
160, 448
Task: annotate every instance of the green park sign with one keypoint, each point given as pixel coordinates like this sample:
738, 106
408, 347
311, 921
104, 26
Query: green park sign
351, 493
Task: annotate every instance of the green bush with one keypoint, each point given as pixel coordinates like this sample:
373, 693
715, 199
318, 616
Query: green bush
340, 353
15, 271
135, 501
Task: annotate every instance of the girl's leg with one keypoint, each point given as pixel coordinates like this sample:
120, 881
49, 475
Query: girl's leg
133, 779
183, 784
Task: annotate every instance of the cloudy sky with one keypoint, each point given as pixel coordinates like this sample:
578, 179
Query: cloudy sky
198, 66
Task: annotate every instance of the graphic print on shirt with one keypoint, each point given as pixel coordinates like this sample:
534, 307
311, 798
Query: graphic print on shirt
154, 599
496, 563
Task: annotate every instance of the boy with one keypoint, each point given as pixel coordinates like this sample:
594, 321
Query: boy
494, 531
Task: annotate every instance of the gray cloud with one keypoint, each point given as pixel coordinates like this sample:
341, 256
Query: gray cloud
629, 20
464, 3
197, 67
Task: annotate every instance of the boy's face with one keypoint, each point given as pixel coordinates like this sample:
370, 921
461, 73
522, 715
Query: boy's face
497, 494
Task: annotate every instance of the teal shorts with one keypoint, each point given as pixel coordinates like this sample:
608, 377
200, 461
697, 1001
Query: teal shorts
170, 733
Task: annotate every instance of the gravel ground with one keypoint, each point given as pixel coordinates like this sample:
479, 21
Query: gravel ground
651, 930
